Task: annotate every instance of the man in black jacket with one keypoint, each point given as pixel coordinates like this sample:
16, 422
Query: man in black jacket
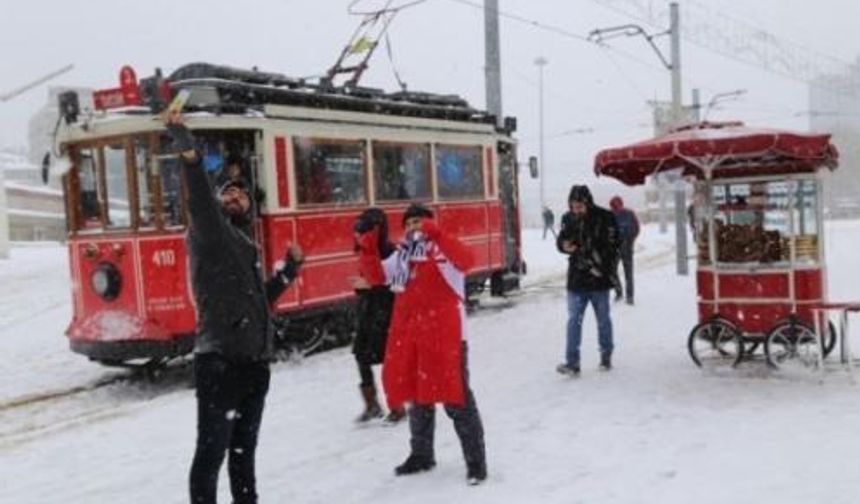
589, 236
234, 343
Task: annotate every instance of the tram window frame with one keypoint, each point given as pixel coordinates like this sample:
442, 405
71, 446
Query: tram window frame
181, 210
377, 148
143, 168
85, 219
78, 224
301, 178
479, 192
111, 208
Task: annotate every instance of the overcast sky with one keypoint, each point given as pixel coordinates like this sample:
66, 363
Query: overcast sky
437, 46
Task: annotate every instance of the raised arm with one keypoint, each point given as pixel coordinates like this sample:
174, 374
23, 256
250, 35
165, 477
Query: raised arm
459, 255
205, 211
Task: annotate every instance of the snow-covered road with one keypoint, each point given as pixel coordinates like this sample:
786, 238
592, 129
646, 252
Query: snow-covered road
654, 430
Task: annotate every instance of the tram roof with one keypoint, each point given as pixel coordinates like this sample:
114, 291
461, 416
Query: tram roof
239, 90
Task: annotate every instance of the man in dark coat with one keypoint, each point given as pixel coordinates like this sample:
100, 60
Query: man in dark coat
234, 343
589, 236
628, 231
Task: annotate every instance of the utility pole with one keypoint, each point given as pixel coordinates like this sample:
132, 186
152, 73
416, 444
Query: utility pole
697, 105
493, 60
541, 62
675, 118
680, 189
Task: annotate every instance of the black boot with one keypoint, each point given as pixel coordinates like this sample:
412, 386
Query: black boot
476, 473
605, 361
414, 464
395, 416
371, 405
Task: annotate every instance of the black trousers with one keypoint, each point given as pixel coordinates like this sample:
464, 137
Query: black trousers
230, 399
625, 256
467, 424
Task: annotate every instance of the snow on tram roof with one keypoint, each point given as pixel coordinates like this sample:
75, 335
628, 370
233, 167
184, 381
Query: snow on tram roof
238, 88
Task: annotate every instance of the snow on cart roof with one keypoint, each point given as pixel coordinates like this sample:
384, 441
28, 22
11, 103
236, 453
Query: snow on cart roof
719, 150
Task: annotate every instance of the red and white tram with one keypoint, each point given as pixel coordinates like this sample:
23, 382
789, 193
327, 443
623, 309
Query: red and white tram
317, 157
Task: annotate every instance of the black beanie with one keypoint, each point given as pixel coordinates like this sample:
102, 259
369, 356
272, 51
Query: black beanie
239, 182
416, 210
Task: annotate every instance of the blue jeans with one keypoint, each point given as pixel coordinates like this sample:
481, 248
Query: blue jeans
577, 302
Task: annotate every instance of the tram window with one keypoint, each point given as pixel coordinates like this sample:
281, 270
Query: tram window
459, 172
401, 171
146, 196
330, 171
170, 174
116, 178
88, 198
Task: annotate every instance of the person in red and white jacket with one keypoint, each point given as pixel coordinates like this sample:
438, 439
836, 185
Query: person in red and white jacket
426, 353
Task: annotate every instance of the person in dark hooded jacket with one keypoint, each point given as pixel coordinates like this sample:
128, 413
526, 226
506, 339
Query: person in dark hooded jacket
234, 342
373, 310
628, 231
589, 236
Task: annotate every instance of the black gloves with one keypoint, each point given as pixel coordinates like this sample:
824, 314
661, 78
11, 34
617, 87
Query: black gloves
291, 267
181, 138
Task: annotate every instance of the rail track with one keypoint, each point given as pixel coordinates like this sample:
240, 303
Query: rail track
28, 417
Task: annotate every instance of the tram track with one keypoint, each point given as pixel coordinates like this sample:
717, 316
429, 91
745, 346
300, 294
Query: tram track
28, 417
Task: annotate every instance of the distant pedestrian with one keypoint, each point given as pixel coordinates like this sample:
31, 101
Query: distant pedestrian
628, 231
589, 237
373, 311
548, 221
426, 355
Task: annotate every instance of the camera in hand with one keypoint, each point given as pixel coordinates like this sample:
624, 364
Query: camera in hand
579, 260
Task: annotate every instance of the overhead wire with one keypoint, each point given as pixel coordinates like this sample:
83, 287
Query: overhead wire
727, 54
387, 9
562, 32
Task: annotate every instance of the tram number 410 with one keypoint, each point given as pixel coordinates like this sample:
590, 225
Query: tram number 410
164, 257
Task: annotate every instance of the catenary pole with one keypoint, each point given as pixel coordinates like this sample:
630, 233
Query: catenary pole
680, 190
541, 62
493, 60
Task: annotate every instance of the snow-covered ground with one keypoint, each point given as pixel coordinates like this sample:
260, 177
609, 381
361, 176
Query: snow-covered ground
654, 430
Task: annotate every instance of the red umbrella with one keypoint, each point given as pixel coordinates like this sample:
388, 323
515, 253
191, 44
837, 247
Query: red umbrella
724, 149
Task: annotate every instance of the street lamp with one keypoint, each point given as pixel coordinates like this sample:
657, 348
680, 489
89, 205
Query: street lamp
722, 96
541, 62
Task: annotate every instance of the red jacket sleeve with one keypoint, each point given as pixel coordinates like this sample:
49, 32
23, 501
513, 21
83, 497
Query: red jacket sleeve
369, 262
459, 255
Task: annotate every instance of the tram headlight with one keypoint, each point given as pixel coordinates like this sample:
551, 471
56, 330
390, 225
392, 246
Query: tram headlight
106, 281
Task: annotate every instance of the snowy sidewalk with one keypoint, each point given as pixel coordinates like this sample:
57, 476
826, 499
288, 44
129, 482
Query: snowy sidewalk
654, 430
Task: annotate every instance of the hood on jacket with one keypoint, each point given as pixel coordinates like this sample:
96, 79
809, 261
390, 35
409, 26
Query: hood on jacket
375, 218
616, 203
580, 193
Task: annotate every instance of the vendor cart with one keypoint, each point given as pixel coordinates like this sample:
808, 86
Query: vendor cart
758, 228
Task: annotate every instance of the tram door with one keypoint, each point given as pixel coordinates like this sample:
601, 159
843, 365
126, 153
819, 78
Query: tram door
507, 156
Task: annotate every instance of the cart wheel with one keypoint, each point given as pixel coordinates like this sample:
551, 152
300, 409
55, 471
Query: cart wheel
829, 339
714, 344
790, 343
